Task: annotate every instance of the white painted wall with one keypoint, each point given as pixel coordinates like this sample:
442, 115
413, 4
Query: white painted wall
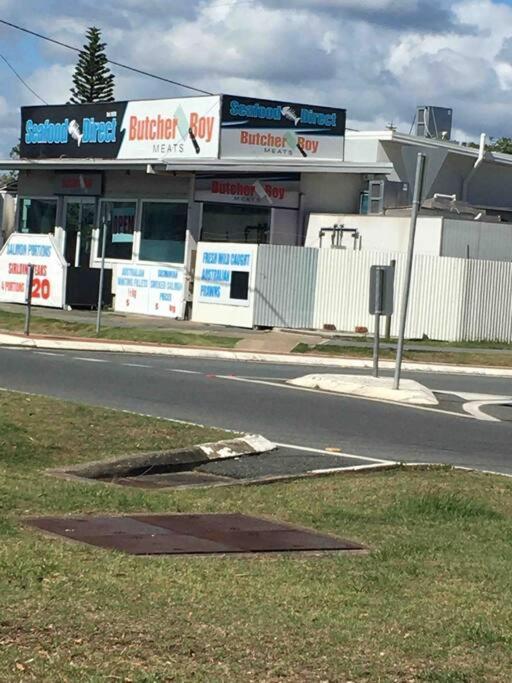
378, 233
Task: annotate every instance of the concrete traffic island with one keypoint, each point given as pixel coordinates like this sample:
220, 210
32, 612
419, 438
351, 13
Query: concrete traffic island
369, 387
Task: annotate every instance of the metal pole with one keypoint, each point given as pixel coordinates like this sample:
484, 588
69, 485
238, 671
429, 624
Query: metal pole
418, 191
376, 334
28, 298
387, 333
102, 270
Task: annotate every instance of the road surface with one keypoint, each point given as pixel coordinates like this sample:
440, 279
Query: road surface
252, 397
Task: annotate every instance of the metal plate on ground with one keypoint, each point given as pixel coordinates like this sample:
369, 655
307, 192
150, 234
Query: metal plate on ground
190, 534
172, 480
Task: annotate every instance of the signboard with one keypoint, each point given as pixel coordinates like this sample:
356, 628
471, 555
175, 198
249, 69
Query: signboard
225, 274
382, 282
150, 290
88, 184
145, 129
273, 129
49, 284
282, 194
123, 224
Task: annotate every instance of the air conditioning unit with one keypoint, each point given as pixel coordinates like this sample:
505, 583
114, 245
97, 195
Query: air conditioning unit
434, 122
386, 194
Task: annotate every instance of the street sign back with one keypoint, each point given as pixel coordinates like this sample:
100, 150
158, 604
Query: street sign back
382, 290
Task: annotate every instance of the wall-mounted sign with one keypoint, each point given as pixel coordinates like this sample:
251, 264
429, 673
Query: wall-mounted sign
283, 194
146, 129
150, 290
279, 130
224, 274
49, 283
78, 183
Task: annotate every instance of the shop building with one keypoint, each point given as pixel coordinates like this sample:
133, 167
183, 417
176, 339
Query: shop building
163, 175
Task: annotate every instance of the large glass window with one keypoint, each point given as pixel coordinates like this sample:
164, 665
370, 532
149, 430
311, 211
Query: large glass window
37, 215
231, 223
120, 218
163, 232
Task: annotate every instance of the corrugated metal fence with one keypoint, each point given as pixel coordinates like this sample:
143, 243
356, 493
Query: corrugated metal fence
452, 299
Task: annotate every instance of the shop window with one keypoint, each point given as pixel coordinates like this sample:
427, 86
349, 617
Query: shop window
37, 215
239, 285
232, 223
120, 219
163, 232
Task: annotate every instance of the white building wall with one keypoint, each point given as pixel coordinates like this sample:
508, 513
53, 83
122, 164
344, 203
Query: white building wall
378, 233
491, 241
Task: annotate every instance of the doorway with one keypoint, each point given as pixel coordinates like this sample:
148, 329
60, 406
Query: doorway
79, 225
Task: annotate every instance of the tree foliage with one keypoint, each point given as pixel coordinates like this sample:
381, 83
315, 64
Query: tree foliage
92, 80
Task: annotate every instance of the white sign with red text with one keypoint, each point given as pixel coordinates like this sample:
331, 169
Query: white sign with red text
49, 283
150, 290
186, 128
282, 194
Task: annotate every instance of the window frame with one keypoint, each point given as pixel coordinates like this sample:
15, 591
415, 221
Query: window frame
49, 198
187, 232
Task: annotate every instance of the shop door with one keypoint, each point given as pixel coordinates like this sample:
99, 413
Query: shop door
79, 227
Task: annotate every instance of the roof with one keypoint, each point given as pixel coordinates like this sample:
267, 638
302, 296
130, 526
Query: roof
208, 165
448, 145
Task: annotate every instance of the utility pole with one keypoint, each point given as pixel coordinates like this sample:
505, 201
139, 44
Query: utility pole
102, 272
418, 192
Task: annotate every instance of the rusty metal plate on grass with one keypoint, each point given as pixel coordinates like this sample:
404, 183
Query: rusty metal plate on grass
190, 534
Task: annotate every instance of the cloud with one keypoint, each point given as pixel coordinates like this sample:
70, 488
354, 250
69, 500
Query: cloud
378, 58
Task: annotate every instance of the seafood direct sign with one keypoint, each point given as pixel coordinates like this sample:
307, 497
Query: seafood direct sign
278, 130
186, 128
49, 283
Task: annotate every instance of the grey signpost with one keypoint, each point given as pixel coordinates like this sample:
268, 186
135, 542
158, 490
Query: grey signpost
418, 191
102, 271
28, 298
381, 303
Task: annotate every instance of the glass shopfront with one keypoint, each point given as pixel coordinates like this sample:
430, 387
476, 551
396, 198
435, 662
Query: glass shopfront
233, 223
37, 215
163, 231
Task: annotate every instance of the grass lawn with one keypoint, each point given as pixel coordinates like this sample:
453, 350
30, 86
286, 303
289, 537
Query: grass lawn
430, 603
14, 322
451, 357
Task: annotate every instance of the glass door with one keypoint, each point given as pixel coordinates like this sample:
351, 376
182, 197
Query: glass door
80, 214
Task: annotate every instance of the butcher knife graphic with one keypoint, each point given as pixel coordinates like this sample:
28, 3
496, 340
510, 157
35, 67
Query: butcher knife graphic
184, 128
292, 140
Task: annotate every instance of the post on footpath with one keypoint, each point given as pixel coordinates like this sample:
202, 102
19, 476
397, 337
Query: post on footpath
381, 303
28, 298
387, 333
102, 272
417, 197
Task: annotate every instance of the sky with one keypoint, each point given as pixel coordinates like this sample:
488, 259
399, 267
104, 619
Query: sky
379, 59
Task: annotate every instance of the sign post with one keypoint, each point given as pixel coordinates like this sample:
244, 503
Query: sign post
381, 303
28, 297
418, 191
102, 272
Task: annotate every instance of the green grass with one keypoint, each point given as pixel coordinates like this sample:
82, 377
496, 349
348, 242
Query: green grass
14, 322
431, 602
497, 345
450, 357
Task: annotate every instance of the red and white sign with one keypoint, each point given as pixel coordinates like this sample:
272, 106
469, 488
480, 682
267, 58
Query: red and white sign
255, 192
186, 128
49, 283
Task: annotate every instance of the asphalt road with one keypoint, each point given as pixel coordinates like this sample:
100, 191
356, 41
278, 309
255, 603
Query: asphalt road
252, 397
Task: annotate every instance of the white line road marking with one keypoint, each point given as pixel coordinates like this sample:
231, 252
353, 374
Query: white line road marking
321, 451
185, 372
399, 404
91, 360
48, 353
473, 408
136, 365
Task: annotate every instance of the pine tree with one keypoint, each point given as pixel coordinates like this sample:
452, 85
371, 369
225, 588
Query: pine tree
92, 80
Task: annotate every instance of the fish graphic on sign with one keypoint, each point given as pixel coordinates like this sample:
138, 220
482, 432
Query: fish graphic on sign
290, 114
74, 131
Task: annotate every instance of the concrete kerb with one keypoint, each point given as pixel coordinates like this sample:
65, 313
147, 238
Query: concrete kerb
178, 459
69, 344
